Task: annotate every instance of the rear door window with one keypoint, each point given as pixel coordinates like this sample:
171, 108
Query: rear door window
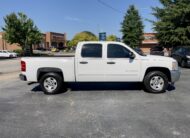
91, 51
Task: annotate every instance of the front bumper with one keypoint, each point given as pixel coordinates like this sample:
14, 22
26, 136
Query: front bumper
22, 77
175, 75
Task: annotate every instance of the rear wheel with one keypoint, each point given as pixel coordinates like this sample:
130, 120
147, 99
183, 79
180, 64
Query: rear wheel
156, 82
51, 83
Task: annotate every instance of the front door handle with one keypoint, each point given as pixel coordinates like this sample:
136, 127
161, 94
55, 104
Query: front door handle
110, 62
83, 62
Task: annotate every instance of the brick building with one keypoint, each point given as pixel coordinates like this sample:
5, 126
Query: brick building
6, 46
149, 42
56, 40
50, 39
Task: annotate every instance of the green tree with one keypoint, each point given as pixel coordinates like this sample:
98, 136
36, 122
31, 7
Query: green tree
69, 43
111, 38
173, 22
132, 27
83, 36
21, 30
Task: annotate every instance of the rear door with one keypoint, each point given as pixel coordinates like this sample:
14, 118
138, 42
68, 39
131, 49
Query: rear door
90, 63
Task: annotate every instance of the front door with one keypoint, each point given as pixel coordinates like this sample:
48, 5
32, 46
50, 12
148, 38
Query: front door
119, 66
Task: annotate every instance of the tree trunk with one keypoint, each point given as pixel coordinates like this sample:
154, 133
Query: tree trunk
28, 51
31, 51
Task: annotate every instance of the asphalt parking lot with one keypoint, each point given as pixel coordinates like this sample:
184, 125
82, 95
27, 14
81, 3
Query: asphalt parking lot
94, 110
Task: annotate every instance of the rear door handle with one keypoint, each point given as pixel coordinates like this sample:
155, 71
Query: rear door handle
110, 62
83, 62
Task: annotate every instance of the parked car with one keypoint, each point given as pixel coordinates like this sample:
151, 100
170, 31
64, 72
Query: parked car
101, 62
7, 54
182, 55
157, 50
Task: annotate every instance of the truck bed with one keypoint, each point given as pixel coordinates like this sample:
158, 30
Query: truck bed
65, 63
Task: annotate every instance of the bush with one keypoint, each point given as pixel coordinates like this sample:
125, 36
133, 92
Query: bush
20, 52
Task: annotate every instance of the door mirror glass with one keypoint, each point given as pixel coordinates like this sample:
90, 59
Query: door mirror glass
131, 55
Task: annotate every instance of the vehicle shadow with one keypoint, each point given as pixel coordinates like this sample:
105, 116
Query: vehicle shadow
97, 86
105, 86
6, 58
171, 87
3, 58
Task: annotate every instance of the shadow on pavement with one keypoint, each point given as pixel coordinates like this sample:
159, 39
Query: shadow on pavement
105, 86
171, 87
7, 58
102, 86
97, 86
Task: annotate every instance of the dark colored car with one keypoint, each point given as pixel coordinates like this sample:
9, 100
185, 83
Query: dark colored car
175, 49
157, 50
182, 55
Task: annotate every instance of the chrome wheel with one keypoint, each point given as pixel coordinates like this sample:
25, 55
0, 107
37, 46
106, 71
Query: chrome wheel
157, 83
50, 84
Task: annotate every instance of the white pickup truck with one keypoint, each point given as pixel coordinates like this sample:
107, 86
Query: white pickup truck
101, 62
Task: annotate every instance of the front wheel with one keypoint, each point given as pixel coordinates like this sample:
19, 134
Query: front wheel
51, 83
156, 82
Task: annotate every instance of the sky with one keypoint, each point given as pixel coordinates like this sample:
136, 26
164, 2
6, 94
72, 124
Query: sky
73, 16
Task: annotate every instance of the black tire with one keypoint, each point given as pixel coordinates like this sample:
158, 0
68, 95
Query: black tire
148, 85
55, 79
183, 64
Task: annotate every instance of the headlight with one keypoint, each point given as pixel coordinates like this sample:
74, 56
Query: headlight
174, 66
188, 57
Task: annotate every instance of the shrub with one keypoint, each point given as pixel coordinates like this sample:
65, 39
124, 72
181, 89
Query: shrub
20, 52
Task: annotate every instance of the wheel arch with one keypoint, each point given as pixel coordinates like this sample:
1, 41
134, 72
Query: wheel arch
44, 70
164, 70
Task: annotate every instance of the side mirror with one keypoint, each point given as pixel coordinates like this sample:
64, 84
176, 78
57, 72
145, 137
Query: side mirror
131, 55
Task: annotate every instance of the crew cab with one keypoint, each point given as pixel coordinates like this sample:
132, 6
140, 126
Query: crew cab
101, 62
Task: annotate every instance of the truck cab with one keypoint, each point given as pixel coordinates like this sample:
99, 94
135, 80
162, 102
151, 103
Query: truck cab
107, 62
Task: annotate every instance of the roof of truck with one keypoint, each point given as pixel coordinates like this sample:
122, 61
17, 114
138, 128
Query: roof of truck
100, 42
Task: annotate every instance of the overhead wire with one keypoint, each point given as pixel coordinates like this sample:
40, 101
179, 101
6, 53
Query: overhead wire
109, 6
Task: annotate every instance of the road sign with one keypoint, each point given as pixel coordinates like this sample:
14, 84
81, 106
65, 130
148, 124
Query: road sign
102, 36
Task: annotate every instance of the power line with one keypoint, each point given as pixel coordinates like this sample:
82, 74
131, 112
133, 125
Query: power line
109, 6
116, 10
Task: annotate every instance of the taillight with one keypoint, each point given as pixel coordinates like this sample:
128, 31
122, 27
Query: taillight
23, 66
